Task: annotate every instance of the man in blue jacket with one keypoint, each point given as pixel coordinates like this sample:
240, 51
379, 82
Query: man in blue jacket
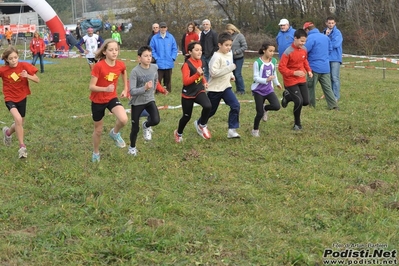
164, 51
335, 55
285, 36
317, 45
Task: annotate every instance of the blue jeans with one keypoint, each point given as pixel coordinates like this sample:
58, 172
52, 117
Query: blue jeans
335, 82
205, 65
40, 56
231, 100
240, 87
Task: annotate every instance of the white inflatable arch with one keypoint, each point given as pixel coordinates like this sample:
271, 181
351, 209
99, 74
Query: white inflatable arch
52, 20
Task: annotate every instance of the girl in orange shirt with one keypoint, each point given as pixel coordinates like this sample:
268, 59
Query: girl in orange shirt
15, 76
103, 86
194, 85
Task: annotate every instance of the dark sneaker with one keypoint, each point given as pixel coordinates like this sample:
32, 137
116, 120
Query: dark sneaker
284, 101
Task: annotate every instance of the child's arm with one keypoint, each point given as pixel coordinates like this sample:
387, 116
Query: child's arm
257, 74
187, 79
33, 77
94, 88
275, 79
307, 67
125, 84
134, 90
161, 89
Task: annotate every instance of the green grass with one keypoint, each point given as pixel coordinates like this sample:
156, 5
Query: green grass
280, 199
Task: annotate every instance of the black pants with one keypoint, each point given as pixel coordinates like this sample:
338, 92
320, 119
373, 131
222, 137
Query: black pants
299, 94
166, 76
274, 105
187, 107
152, 120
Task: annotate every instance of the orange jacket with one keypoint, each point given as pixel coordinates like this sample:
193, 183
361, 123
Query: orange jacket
37, 46
8, 34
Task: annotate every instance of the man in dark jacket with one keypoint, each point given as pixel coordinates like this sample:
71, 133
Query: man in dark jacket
209, 43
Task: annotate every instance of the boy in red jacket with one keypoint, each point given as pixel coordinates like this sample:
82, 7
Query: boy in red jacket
293, 67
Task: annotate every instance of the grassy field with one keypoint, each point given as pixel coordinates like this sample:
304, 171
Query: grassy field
281, 199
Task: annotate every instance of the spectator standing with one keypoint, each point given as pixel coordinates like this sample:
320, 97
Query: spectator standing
155, 30
317, 46
164, 51
37, 48
197, 29
209, 43
8, 34
285, 36
335, 54
188, 37
78, 31
238, 49
117, 37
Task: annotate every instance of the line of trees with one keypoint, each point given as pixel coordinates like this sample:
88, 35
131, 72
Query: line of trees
368, 26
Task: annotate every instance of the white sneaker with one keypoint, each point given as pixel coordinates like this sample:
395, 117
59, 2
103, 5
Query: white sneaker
117, 138
147, 132
264, 117
95, 158
232, 133
22, 153
132, 151
255, 133
178, 138
202, 131
6, 139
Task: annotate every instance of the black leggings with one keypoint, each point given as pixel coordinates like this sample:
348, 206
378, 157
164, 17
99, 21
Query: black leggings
152, 120
187, 107
273, 105
299, 94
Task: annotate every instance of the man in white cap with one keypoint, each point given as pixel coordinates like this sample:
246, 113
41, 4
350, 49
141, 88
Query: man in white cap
285, 37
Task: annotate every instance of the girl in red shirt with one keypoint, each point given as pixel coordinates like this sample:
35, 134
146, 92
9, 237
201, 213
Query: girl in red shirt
103, 87
15, 76
188, 37
293, 67
37, 48
194, 85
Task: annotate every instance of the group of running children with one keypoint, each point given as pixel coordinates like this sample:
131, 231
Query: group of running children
143, 82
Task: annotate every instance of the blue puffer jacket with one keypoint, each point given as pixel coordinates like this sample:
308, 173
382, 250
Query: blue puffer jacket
335, 49
318, 45
164, 50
